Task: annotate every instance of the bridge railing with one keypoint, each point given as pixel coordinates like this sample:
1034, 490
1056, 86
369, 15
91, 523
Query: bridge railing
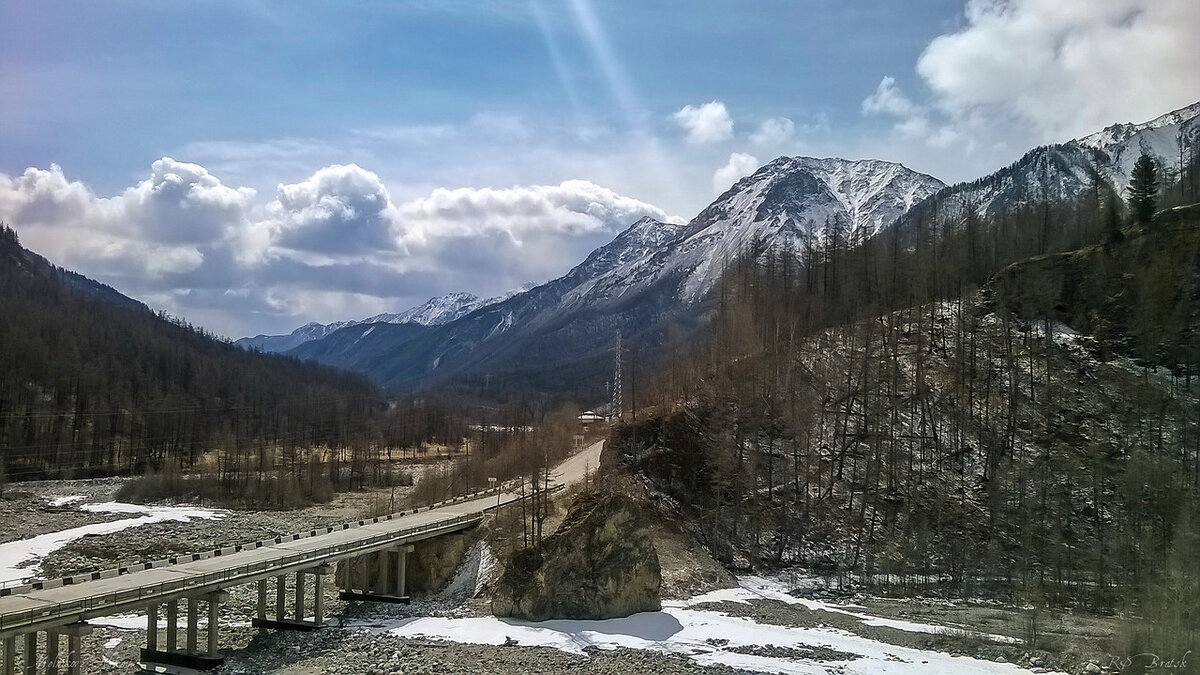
25, 585
228, 577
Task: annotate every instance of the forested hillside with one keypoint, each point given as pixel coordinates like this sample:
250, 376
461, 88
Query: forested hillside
93, 383
1004, 405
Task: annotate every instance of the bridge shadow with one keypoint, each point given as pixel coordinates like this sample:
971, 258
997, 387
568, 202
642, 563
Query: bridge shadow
649, 626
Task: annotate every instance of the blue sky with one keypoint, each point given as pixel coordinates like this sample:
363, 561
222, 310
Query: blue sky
535, 129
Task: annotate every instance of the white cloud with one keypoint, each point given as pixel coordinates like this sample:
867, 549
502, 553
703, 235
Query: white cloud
184, 203
572, 207
154, 228
774, 132
888, 99
1037, 71
1068, 66
518, 233
913, 121
340, 209
739, 165
708, 123
328, 247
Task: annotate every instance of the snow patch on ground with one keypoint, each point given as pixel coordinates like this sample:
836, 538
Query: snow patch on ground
489, 569
762, 588
135, 621
63, 501
18, 559
712, 638
466, 578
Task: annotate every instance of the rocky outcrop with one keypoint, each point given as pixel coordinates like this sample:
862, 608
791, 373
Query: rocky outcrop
433, 562
600, 563
430, 565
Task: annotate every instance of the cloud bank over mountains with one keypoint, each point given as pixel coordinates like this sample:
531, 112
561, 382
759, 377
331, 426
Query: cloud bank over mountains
1048, 70
184, 241
258, 234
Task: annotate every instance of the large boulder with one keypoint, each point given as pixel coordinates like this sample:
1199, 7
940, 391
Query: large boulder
601, 563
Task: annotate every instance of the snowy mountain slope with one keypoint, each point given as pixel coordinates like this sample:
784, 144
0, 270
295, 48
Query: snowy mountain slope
1070, 170
433, 312
653, 277
650, 276
1160, 137
793, 203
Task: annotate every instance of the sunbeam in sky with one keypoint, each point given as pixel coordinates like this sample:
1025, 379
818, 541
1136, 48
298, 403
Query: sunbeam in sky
557, 58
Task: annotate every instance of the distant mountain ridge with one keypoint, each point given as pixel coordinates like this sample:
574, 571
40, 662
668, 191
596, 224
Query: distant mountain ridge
654, 277
651, 277
1067, 171
433, 312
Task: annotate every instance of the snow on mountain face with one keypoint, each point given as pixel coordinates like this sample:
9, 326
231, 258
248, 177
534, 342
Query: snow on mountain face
433, 312
277, 344
1172, 138
789, 204
1068, 171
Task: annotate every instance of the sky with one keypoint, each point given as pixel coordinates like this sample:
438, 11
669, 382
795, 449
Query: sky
253, 165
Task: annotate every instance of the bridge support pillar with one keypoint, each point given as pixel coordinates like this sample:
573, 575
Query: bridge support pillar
51, 653
31, 655
319, 574
10, 656
152, 627
389, 582
381, 580
214, 622
172, 625
280, 598
262, 599
75, 633
402, 567
193, 620
300, 608
300, 621
191, 656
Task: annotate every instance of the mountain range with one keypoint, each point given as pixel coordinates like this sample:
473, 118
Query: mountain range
433, 312
654, 277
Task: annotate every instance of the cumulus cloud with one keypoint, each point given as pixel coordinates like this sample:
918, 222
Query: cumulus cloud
1057, 68
154, 228
516, 233
572, 207
1068, 66
340, 209
773, 132
707, 123
912, 120
740, 164
322, 249
184, 203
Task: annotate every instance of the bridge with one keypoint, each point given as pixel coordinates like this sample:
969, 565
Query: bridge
374, 552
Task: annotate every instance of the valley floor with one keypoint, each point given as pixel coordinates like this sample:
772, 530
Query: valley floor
713, 623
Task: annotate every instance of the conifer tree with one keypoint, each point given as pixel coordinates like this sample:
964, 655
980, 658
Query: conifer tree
1143, 189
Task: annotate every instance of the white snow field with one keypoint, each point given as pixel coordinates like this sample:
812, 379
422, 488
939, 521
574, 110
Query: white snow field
709, 637
18, 559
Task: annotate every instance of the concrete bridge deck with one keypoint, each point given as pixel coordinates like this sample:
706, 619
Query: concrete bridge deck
39, 609
57, 606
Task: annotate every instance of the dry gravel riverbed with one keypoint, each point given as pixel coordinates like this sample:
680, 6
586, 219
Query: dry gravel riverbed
755, 627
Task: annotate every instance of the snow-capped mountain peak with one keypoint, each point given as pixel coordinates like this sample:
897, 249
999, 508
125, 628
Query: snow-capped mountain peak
1171, 138
432, 312
435, 311
796, 202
